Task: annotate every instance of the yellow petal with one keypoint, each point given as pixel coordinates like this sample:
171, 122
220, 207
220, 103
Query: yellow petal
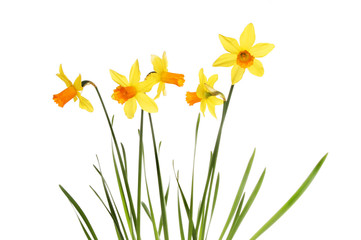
226, 60
62, 76
256, 68
157, 64
237, 74
215, 101
203, 106
202, 77
77, 83
212, 79
134, 75
165, 62
85, 104
150, 80
211, 107
118, 78
130, 107
261, 49
247, 38
146, 103
161, 88
230, 44
200, 91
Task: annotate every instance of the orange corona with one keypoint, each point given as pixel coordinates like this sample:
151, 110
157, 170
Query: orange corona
122, 94
192, 98
65, 96
245, 59
173, 78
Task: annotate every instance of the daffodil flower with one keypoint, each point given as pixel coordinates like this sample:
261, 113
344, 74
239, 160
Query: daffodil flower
243, 55
71, 92
206, 94
133, 91
161, 74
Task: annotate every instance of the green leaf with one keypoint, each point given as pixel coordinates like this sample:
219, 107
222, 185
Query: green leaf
214, 203
161, 217
181, 230
80, 211
122, 195
150, 212
82, 226
239, 194
160, 184
146, 210
292, 200
246, 207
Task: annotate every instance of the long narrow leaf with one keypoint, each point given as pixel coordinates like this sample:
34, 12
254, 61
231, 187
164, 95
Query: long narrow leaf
214, 203
122, 195
246, 207
194, 231
161, 217
239, 208
83, 227
292, 200
139, 198
80, 211
110, 204
239, 194
213, 161
160, 184
190, 215
150, 212
181, 230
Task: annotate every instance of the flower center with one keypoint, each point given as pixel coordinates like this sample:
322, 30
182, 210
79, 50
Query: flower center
122, 94
65, 96
245, 59
192, 98
172, 78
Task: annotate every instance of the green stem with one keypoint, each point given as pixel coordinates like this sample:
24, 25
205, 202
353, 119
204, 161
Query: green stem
160, 185
117, 149
140, 174
213, 161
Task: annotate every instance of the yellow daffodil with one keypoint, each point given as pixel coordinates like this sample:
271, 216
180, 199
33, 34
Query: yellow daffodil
71, 92
243, 55
133, 91
162, 76
205, 94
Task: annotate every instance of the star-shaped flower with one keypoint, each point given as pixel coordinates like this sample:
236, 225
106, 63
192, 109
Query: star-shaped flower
243, 55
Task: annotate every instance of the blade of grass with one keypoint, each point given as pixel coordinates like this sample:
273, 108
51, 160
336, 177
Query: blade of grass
190, 215
161, 217
214, 203
160, 184
124, 173
80, 211
150, 212
82, 226
125, 159
239, 208
146, 209
139, 199
213, 160
181, 230
122, 195
292, 200
239, 194
186, 207
237, 222
110, 204
205, 213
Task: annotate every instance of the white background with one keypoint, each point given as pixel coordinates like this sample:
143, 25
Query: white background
307, 104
